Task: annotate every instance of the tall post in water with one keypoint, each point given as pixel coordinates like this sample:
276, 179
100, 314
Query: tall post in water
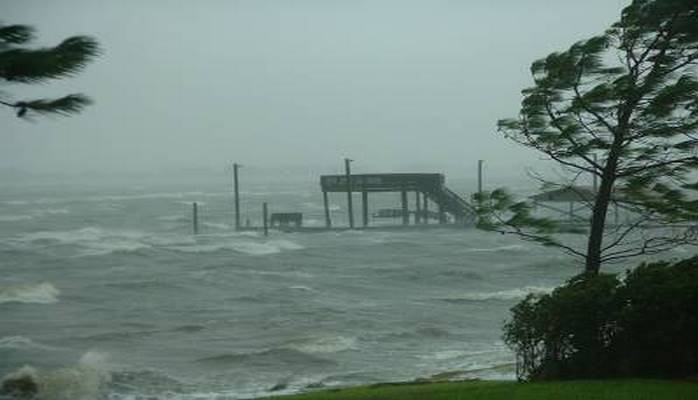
405, 209
418, 208
237, 195
350, 205
328, 221
479, 176
364, 203
265, 213
195, 218
426, 208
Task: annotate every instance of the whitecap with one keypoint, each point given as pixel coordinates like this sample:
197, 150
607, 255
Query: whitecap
16, 342
87, 380
324, 344
513, 247
15, 217
216, 225
512, 294
42, 293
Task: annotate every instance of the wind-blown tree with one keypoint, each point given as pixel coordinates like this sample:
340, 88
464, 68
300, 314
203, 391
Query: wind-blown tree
19, 64
622, 106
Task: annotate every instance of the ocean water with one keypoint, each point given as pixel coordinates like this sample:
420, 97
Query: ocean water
105, 293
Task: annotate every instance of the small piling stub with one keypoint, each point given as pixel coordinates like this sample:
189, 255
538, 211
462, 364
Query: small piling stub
265, 213
195, 218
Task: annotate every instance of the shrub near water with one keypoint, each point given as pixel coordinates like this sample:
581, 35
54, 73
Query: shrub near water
598, 326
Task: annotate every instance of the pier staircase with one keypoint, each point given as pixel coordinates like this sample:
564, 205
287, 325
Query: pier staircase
450, 202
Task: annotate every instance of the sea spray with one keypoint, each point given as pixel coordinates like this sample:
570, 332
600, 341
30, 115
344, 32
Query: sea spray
42, 293
85, 381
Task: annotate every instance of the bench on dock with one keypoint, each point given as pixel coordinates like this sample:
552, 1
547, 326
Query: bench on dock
286, 219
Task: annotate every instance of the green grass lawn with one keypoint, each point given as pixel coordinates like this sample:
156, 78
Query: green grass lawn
494, 390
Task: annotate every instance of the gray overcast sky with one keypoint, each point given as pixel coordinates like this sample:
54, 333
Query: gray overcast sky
394, 84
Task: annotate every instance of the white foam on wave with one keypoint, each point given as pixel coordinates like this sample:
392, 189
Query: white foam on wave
91, 240
512, 294
513, 247
42, 293
15, 218
324, 344
117, 197
216, 225
242, 246
17, 342
87, 380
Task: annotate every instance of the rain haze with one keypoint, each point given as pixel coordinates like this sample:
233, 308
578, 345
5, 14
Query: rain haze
274, 197
396, 85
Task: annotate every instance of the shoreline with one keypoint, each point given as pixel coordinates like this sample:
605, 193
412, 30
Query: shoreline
479, 389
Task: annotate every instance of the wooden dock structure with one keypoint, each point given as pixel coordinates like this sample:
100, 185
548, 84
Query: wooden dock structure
427, 187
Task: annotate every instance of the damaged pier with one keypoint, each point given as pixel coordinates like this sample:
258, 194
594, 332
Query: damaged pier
426, 188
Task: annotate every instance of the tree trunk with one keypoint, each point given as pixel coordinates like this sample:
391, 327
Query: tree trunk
598, 218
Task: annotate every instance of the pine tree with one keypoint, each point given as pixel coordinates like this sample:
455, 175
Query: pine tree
622, 106
19, 64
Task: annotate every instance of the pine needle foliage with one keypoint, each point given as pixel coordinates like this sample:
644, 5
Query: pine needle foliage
622, 106
24, 65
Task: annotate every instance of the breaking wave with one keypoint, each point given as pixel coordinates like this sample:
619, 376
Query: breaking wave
324, 344
85, 381
513, 247
244, 246
512, 294
41, 293
15, 218
18, 342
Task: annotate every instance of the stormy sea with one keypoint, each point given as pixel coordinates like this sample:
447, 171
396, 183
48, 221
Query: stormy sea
106, 293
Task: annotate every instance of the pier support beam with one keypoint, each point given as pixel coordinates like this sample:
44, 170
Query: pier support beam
195, 218
418, 209
364, 204
405, 209
442, 214
350, 205
328, 221
426, 208
265, 214
236, 191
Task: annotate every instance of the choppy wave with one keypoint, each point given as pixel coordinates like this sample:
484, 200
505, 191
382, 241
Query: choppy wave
324, 344
116, 198
243, 246
87, 380
512, 247
15, 217
91, 240
41, 293
17, 342
512, 294
281, 358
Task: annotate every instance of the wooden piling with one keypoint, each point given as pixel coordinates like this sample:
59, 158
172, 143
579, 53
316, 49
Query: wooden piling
364, 203
405, 209
328, 221
418, 208
236, 192
479, 176
350, 206
265, 213
195, 218
426, 208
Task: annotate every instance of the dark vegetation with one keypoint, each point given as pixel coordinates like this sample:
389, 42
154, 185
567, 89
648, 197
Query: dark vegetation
20, 64
622, 107
600, 326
